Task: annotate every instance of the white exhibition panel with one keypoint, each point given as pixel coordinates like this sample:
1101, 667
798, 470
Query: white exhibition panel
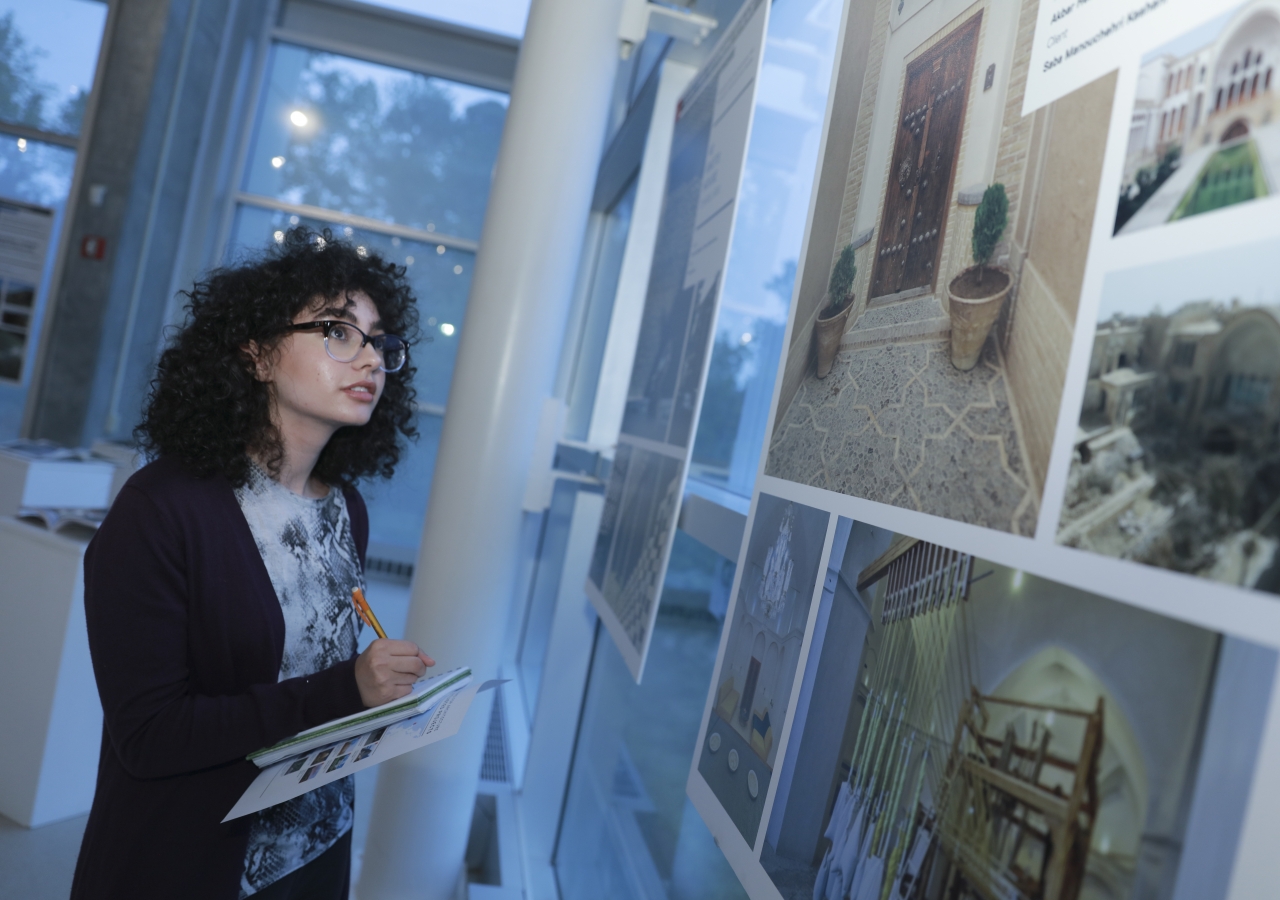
971, 610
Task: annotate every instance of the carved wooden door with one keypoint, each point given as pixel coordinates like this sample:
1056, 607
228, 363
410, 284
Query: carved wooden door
924, 162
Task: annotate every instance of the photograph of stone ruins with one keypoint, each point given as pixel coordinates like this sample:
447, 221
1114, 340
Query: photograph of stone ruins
1176, 461
902, 410
1204, 132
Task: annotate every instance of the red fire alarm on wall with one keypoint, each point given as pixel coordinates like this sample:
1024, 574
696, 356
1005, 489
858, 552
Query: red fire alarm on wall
93, 246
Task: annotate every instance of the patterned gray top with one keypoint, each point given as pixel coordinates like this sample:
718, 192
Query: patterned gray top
311, 557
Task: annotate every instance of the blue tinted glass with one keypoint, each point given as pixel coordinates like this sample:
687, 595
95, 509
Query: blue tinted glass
398, 508
440, 276
628, 829
35, 172
48, 54
553, 544
773, 206
595, 329
377, 142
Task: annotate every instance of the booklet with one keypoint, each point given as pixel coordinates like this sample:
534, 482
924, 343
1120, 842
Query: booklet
425, 694
306, 771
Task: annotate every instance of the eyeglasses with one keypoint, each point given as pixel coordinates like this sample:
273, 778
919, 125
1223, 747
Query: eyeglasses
344, 341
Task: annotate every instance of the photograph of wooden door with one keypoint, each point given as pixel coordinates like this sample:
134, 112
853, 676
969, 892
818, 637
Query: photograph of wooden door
924, 163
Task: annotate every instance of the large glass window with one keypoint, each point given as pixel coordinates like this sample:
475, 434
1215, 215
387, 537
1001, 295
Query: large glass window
48, 56
629, 832
48, 53
397, 162
377, 142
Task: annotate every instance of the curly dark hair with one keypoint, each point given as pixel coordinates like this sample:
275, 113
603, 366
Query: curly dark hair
206, 408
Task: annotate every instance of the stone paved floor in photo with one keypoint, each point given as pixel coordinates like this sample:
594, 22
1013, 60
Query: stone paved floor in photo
897, 423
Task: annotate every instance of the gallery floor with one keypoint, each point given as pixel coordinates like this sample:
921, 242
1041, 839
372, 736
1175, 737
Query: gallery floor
37, 864
895, 422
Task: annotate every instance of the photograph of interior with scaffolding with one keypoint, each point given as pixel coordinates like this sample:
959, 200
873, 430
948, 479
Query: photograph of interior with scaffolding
967, 730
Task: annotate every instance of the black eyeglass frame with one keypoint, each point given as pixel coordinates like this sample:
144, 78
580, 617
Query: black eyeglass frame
375, 339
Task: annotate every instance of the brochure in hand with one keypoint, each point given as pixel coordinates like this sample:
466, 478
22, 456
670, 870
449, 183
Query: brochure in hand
306, 770
425, 694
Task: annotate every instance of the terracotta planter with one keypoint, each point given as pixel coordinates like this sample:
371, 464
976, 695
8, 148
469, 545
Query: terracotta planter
827, 333
972, 317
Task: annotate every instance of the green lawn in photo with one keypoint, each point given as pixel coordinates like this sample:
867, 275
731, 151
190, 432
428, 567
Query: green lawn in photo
1232, 175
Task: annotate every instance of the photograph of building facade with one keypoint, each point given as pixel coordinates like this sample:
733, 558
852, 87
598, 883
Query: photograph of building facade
1175, 461
1204, 133
974, 731
938, 120
758, 665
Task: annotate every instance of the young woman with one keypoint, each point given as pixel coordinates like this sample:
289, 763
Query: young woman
218, 589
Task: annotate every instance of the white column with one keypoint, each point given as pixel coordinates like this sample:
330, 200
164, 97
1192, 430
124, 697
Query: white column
509, 346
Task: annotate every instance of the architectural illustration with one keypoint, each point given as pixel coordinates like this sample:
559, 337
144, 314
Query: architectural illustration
758, 667
1204, 132
975, 731
939, 119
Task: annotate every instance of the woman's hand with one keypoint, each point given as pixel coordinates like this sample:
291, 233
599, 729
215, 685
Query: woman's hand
387, 670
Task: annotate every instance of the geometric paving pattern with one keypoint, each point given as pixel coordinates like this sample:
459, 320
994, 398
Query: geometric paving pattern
898, 424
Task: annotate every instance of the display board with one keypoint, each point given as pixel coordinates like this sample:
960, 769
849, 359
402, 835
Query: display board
646, 483
1004, 623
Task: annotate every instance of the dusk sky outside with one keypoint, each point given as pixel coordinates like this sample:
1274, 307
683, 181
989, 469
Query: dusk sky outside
65, 35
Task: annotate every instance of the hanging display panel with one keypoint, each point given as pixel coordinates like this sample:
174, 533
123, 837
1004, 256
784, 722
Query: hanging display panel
765, 634
965, 728
1030, 371
642, 499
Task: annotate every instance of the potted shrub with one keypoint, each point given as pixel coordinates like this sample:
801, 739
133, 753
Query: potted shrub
834, 317
979, 291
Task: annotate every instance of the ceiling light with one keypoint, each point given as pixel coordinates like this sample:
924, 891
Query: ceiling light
277, 161
279, 236
446, 329
298, 117
457, 270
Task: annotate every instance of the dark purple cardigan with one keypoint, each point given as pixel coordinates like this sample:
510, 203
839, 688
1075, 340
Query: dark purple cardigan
186, 636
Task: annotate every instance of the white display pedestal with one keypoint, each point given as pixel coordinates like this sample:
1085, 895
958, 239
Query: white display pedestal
50, 716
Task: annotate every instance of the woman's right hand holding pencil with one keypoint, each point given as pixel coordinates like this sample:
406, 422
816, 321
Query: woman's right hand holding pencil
388, 669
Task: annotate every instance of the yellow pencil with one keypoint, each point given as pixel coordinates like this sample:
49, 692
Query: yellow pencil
366, 612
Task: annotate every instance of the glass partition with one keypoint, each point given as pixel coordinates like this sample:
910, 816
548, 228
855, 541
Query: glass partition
608, 254
773, 206
629, 832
